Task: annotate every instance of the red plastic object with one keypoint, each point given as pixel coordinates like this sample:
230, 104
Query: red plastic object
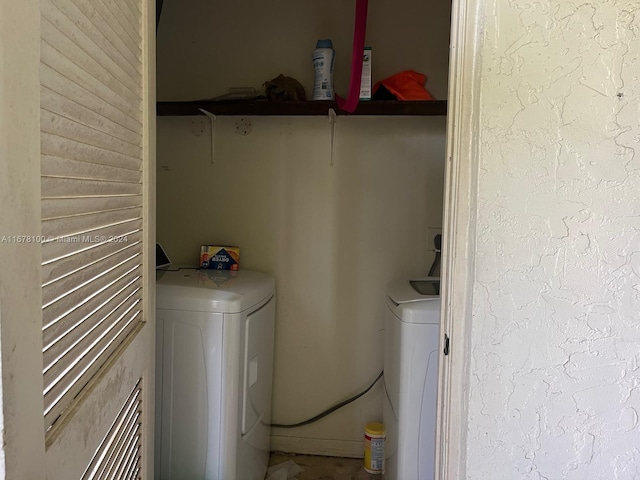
407, 85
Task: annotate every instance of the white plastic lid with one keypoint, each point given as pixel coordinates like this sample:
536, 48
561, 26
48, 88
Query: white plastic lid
424, 311
215, 291
402, 291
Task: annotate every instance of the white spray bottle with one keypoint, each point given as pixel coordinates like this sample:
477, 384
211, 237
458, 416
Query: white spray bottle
323, 57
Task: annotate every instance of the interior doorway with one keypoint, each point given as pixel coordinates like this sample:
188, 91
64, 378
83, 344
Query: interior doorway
456, 248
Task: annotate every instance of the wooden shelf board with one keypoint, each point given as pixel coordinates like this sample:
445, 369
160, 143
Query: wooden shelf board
263, 107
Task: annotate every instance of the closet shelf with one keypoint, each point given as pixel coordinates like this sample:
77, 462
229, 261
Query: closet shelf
264, 107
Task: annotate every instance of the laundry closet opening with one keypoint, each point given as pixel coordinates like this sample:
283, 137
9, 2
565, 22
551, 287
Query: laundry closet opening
334, 214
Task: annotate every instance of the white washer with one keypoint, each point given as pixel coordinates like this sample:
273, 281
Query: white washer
411, 338
215, 336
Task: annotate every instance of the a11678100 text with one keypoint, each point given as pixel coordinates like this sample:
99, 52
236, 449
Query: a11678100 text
64, 239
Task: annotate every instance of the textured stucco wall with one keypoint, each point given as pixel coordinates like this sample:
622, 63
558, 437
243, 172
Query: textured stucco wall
555, 370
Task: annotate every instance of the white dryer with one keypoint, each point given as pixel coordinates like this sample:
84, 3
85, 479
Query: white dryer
411, 339
214, 369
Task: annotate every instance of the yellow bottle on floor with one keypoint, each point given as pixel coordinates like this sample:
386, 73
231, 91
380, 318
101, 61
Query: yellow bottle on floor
374, 436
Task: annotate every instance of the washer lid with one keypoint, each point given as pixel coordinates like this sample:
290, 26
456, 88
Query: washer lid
423, 311
416, 290
215, 291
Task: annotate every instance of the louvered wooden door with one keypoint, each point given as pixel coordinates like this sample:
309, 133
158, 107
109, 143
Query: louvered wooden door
97, 219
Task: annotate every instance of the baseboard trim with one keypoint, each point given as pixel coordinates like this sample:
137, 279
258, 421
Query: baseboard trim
317, 446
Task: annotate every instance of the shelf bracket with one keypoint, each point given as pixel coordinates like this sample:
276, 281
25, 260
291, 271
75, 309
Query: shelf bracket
332, 133
212, 124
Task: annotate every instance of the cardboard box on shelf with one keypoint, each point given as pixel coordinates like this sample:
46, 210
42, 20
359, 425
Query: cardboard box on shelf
219, 257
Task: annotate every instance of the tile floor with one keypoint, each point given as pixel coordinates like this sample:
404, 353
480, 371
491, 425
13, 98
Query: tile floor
322, 468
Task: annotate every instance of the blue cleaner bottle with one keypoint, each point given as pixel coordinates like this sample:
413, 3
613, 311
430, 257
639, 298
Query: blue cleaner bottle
323, 57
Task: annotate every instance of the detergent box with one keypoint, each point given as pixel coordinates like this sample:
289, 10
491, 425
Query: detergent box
219, 257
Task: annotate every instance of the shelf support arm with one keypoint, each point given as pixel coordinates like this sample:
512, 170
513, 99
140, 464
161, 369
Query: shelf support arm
212, 125
332, 133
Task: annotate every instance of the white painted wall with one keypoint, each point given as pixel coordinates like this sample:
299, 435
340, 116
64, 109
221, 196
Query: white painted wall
207, 46
556, 332
333, 236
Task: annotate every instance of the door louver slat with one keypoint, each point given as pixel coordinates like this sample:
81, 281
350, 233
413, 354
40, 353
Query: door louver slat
122, 442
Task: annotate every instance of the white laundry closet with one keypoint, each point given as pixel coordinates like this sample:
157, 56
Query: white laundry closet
333, 224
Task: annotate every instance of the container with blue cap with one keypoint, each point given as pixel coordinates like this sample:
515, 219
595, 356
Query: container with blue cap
323, 59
